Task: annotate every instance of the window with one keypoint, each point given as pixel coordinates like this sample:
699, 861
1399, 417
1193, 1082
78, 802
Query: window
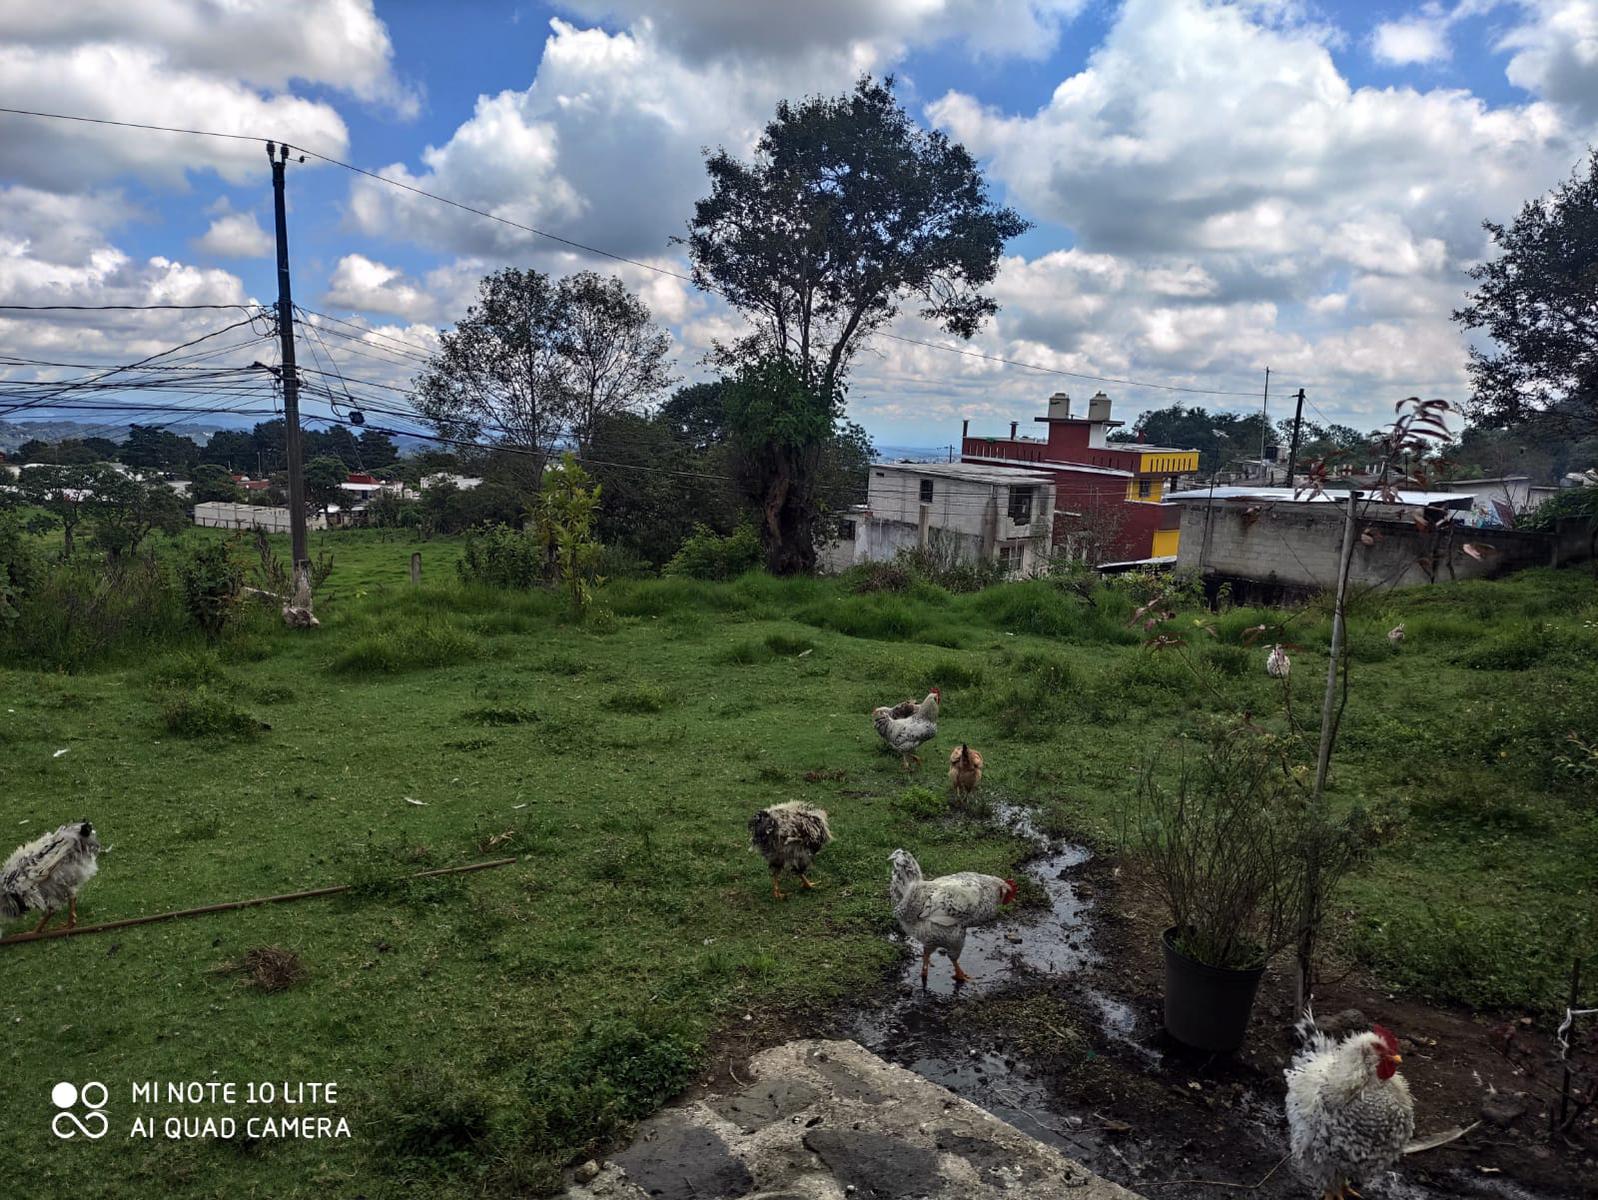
1021, 505
926, 491
846, 530
1145, 488
1009, 558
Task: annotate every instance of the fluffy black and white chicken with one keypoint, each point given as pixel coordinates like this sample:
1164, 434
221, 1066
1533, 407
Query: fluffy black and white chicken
906, 732
45, 875
1349, 1112
789, 836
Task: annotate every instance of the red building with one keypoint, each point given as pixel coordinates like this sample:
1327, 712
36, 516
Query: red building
1109, 496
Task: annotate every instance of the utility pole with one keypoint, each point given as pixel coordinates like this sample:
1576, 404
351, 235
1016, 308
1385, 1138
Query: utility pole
297, 608
1292, 452
1265, 415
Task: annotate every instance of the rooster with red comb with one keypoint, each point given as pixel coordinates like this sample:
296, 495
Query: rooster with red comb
1349, 1112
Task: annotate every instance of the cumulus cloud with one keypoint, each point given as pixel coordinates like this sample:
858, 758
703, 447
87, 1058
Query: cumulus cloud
707, 29
362, 284
1555, 53
224, 67
235, 235
1413, 40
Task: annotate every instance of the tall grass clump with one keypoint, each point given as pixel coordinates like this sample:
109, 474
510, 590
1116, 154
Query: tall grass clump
82, 613
203, 715
408, 646
1037, 607
1044, 694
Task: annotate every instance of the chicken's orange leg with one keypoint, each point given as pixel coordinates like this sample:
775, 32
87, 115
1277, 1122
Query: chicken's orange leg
776, 892
39, 928
926, 963
805, 879
959, 973
72, 913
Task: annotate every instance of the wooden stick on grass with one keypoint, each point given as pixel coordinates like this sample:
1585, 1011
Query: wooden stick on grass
63, 931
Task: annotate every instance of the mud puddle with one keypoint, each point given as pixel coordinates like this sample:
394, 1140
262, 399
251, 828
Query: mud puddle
1122, 1099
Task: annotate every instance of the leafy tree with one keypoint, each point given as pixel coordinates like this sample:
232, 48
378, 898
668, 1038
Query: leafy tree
230, 448
152, 449
649, 511
212, 578
126, 510
502, 370
616, 354
268, 439
1538, 302
103, 448
697, 415
335, 442
378, 450
324, 477
213, 483
849, 211
564, 524
35, 450
63, 492
1220, 437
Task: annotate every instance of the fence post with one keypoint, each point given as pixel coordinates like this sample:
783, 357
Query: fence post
416, 568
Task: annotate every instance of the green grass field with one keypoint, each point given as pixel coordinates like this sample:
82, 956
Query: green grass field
481, 1028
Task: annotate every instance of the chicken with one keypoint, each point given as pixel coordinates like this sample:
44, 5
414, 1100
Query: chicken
1277, 665
1349, 1114
905, 734
937, 912
789, 836
45, 875
1395, 636
965, 769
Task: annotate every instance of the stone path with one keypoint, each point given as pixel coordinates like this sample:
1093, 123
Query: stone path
831, 1121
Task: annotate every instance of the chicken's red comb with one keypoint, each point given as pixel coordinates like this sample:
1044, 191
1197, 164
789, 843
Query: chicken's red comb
1387, 1037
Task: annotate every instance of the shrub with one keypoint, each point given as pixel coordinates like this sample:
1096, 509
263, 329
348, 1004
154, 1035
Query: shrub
708, 555
210, 576
501, 556
878, 577
202, 715
922, 803
1571, 502
21, 565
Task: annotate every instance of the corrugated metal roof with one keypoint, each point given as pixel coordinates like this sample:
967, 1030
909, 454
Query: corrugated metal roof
1288, 495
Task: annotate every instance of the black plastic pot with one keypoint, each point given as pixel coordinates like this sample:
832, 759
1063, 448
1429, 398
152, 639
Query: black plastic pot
1206, 1007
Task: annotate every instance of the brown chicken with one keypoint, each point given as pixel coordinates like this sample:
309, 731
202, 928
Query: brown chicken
965, 769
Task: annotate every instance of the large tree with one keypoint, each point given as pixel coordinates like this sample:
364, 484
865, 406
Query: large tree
534, 364
848, 212
1538, 302
617, 356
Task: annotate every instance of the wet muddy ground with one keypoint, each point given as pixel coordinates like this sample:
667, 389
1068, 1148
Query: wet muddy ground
1060, 1034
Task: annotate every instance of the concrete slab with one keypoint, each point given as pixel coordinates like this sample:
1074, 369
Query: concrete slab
826, 1120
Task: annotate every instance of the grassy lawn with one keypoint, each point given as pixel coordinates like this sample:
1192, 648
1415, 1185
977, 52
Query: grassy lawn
480, 1027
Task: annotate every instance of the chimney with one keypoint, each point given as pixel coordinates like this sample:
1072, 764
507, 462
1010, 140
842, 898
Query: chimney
1099, 407
1013, 425
1059, 406
965, 428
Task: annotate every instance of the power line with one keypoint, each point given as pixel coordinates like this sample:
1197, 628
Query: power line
117, 307
622, 258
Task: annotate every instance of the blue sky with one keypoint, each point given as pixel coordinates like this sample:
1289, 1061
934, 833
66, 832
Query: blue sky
1216, 187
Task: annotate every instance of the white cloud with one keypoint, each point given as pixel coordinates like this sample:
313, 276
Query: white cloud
219, 66
1556, 53
1412, 40
235, 235
365, 285
707, 29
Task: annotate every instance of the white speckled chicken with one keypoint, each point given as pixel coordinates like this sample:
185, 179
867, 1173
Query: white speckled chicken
906, 734
937, 912
1395, 636
45, 875
1349, 1113
789, 836
1277, 664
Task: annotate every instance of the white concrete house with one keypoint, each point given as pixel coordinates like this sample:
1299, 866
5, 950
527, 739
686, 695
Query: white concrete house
963, 510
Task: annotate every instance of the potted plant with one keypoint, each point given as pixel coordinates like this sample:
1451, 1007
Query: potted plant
1222, 848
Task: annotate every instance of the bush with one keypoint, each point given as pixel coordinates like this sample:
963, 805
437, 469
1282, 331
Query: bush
211, 577
21, 565
202, 715
878, 577
501, 556
1571, 502
708, 555
922, 803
